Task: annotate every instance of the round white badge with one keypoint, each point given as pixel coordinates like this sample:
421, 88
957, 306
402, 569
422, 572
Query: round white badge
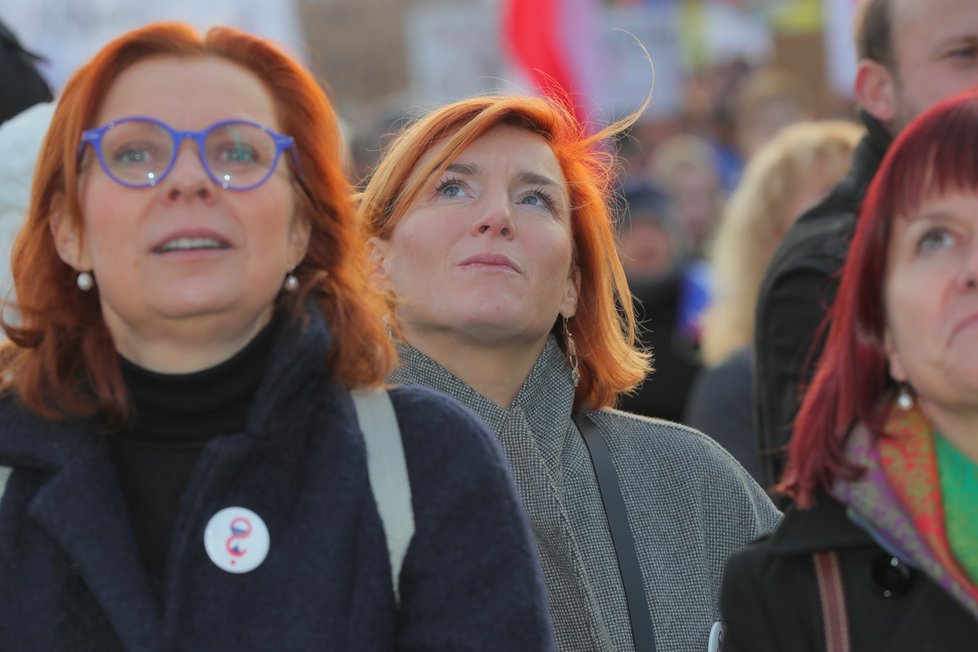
236, 539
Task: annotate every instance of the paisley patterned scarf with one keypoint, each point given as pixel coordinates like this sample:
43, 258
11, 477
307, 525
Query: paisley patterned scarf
899, 501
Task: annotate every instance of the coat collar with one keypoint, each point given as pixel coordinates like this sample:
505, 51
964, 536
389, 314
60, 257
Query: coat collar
847, 195
300, 350
866, 160
548, 383
824, 526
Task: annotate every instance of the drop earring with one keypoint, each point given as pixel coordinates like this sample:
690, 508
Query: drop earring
291, 283
84, 281
572, 360
904, 399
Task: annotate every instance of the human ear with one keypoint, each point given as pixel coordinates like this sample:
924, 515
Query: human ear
876, 90
568, 305
299, 234
377, 250
893, 357
67, 236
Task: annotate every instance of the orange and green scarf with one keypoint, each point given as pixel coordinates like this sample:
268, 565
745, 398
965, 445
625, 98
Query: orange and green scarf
918, 498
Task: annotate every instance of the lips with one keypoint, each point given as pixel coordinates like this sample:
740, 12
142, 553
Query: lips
191, 241
491, 260
968, 322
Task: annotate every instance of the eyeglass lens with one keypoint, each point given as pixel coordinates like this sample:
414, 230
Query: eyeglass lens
138, 152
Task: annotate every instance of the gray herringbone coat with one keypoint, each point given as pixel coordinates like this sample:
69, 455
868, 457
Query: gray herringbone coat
690, 504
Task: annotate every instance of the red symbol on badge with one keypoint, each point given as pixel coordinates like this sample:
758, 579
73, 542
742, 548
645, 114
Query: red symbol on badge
246, 547
240, 529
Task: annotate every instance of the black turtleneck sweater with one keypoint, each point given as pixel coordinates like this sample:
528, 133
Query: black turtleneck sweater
176, 415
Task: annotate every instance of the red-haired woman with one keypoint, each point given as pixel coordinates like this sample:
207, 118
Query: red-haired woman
181, 462
881, 552
491, 231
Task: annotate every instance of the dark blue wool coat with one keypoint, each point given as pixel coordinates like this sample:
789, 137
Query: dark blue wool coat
71, 579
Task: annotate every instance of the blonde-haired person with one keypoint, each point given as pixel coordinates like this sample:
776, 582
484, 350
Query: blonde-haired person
790, 173
490, 226
181, 464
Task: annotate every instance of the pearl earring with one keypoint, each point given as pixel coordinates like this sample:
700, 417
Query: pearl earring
291, 283
84, 281
904, 398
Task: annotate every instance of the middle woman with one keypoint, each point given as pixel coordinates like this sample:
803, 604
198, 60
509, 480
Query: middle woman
490, 228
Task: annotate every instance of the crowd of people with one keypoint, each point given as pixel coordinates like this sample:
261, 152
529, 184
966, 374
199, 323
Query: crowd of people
522, 384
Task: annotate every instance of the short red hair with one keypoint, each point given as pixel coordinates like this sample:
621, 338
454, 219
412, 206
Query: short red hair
604, 325
934, 155
61, 360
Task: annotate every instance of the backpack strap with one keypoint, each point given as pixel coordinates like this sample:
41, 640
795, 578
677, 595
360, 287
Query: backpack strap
388, 473
835, 620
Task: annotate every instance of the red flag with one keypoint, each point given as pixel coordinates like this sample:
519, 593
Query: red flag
533, 30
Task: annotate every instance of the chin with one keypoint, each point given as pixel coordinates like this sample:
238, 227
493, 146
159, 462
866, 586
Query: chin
197, 304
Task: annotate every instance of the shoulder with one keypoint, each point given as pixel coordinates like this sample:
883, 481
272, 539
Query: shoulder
818, 240
662, 439
26, 438
672, 455
439, 416
815, 242
441, 431
824, 527
668, 469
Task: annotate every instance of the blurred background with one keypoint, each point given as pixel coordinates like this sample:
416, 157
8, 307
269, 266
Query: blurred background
385, 58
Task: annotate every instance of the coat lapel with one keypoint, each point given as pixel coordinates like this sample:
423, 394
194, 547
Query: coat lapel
82, 510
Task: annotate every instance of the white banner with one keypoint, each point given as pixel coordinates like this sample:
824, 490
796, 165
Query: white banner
840, 50
67, 32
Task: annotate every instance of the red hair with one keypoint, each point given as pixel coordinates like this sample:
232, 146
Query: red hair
61, 360
604, 325
934, 155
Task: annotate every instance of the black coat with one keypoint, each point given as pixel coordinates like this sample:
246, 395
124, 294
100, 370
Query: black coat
770, 598
798, 288
71, 578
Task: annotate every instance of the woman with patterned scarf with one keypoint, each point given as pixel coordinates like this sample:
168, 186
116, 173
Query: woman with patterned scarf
881, 552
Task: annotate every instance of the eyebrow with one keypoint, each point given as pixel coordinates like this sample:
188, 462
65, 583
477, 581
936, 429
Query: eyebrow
529, 178
958, 39
934, 215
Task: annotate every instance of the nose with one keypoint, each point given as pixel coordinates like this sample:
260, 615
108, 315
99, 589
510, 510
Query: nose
188, 179
496, 216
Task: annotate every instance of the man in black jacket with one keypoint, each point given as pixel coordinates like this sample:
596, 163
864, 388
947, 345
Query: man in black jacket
912, 54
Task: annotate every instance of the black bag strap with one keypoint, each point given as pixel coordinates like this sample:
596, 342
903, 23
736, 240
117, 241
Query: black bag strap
621, 534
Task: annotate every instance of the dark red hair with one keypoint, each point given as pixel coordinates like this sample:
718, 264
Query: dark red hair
61, 360
936, 154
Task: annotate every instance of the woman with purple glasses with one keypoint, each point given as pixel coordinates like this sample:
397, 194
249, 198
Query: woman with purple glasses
182, 465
